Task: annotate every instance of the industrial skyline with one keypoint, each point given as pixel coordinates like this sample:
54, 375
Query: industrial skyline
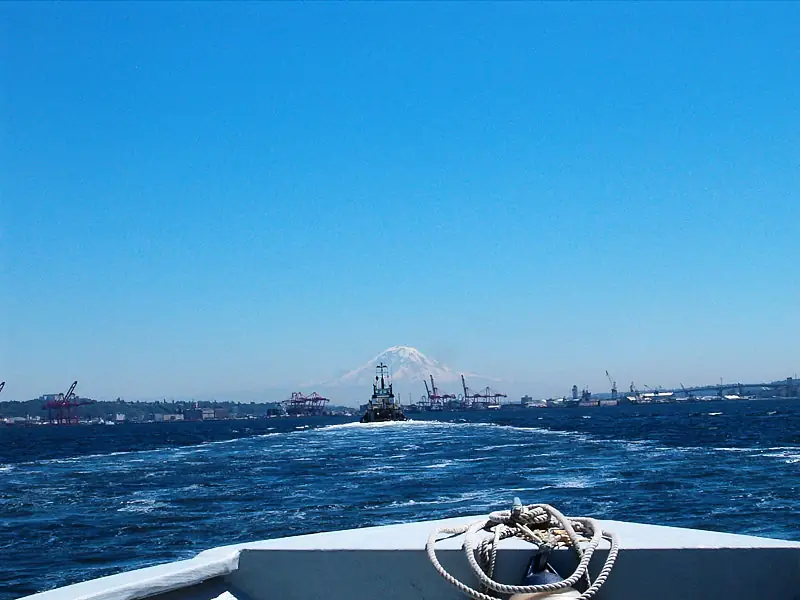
416, 375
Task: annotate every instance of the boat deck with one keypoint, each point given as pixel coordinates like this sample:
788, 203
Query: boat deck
390, 563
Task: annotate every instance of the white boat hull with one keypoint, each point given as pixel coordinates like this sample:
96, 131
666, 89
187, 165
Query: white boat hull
390, 563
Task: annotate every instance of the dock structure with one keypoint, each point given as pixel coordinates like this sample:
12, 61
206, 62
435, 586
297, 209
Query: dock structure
300, 405
488, 397
787, 388
431, 400
435, 401
485, 398
468, 399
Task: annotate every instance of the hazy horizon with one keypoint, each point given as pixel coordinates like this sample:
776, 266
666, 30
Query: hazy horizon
350, 394
200, 198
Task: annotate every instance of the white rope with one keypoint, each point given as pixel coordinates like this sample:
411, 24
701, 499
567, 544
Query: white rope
540, 524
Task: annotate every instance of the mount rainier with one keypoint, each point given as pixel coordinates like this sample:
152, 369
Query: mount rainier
408, 368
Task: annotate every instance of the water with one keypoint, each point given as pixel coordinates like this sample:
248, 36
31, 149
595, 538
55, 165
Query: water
81, 502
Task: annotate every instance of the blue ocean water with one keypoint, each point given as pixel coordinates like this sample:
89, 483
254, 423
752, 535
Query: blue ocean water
79, 502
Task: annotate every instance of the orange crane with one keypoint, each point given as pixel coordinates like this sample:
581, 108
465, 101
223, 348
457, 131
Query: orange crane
434, 399
62, 406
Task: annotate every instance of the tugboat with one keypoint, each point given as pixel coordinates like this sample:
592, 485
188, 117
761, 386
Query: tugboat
382, 405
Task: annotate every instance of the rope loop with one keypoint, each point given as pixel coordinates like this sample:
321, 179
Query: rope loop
540, 524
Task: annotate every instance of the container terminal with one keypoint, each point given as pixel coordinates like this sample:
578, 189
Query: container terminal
486, 399
467, 400
67, 408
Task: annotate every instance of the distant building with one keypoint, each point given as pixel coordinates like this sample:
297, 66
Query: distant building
193, 414
202, 414
160, 418
529, 402
221, 413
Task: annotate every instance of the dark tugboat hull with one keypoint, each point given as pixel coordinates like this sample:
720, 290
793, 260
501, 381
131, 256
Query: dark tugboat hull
381, 416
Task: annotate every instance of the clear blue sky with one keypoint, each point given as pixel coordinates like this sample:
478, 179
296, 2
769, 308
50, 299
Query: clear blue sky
219, 196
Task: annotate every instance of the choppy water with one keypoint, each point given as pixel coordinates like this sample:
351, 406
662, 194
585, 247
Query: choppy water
82, 502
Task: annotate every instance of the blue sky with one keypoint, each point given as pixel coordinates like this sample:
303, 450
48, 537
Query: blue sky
210, 197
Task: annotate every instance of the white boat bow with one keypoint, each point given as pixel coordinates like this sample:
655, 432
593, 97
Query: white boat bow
390, 563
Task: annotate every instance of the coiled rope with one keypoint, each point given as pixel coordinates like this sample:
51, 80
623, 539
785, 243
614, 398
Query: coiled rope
540, 524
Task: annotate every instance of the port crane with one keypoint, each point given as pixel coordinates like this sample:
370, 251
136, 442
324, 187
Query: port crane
432, 400
300, 405
62, 404
485, 396
436, 391
425, 401
490, 396
613, 386
469, 399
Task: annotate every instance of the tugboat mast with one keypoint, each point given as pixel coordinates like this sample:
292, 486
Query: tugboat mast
383, 372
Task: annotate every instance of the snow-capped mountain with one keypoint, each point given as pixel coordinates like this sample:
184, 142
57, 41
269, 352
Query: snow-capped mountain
408, 368
406, 365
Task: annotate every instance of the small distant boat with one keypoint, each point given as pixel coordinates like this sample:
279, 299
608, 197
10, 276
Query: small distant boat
382, 406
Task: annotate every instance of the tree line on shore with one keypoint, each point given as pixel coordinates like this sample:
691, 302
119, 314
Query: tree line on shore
134, 410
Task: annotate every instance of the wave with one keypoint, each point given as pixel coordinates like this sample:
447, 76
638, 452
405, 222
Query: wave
190, 488
405, 503
188, 448
144, 505
573, 482
789, 454
323, 443
372, 470
499, 446
440, 465
72, 459
792, 456
391, 424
